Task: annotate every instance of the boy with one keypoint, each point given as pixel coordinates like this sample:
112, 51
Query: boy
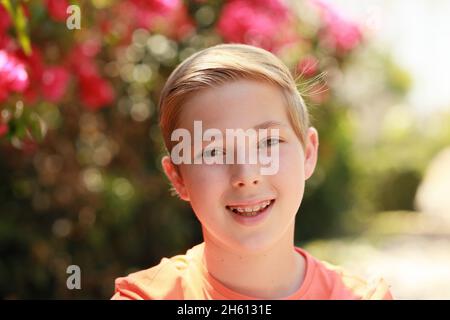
247, 214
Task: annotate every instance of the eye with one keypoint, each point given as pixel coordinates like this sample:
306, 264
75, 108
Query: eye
270, 142
211, 153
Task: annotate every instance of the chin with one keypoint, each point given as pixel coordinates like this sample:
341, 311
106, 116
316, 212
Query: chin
254, 244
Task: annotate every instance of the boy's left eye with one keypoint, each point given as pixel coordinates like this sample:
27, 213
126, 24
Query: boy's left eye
212, 152
269, 142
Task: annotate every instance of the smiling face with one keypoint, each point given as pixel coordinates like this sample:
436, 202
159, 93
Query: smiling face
220, 194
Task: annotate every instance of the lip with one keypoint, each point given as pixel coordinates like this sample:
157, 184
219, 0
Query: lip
248, 203
253, 220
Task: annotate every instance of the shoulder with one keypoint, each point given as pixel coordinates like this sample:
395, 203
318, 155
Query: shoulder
349, 285
162, 281
335, 282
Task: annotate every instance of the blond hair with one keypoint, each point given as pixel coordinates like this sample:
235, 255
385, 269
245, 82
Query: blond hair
223, 63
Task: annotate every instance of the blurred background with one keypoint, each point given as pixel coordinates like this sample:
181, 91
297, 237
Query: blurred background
80, 149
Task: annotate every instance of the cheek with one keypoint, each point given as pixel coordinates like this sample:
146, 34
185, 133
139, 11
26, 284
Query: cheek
205, 185
291, 174
291, 162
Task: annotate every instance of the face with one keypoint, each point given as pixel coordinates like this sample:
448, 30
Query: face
218, 193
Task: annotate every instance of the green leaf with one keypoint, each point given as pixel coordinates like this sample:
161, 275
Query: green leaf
17, 14
21, 26
36, 127
19, 128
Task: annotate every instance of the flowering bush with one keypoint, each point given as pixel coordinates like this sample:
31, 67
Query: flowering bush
57, 57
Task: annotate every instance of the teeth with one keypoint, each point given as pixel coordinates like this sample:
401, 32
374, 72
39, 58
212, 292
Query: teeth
247, 210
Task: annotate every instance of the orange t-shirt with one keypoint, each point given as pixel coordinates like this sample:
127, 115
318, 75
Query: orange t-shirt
185, 277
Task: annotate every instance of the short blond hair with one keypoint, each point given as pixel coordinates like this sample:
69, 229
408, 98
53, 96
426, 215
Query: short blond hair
224, 63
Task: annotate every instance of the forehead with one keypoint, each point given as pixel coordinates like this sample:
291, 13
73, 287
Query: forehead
237, 104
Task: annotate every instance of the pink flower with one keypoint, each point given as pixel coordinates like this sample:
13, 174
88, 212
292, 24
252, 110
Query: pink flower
6, 42
339, 33
50, 82
145, 12
308, 66
35, 67
95, 91
3, 129
57, 9
5, 20
157, 7
54, 83
169, 17
81, 60
13, 76
263, 23
179, 24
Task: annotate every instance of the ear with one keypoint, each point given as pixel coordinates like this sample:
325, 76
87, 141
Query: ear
173, 174
311, 151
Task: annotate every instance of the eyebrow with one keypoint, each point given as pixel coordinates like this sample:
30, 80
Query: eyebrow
268, 124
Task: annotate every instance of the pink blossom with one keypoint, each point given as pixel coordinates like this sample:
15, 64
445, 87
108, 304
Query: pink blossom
146, 11
13, 76
308, 66
81, 60
159, 7
54, 83
339, 33
264, 23
179, 24
169, 17
49, 81
5, 20
95, 91
57, 9
6, 42
35, 67
3, 129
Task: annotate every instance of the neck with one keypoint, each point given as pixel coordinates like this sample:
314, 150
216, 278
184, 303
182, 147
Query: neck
273, 273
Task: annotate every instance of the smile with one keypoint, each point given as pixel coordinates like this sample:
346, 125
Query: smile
250, 210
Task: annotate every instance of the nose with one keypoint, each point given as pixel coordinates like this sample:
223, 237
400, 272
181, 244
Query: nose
245, 175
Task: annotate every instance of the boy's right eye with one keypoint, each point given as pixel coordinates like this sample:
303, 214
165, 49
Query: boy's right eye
211, 153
